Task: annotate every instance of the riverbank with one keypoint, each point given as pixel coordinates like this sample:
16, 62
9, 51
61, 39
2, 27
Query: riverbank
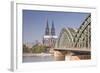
37, 54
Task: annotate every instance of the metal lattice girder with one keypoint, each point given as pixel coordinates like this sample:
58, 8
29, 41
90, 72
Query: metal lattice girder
81, 38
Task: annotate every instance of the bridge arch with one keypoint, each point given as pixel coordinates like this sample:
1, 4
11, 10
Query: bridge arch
65, 39
82, 38
76, 38
75, 41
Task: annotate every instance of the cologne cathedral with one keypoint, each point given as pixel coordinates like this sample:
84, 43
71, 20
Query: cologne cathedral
49, 38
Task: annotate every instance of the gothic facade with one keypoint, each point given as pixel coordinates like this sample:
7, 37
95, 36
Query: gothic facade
49, 38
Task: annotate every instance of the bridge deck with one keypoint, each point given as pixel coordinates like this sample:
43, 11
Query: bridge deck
74, 49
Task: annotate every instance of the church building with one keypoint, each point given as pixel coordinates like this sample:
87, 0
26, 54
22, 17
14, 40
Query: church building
49, 38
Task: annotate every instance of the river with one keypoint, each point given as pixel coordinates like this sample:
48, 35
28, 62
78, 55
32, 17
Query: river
37, 58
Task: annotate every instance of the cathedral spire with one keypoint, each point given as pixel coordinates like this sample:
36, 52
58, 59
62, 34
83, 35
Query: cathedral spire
52, 29
47, 32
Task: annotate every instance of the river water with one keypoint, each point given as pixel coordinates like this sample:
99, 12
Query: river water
37, 58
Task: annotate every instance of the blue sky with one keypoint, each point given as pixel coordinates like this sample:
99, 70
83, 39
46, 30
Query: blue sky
34, 22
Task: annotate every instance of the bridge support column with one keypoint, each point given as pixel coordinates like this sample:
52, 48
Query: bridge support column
59, 55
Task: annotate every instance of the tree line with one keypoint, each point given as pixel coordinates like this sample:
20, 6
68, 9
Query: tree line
35, 49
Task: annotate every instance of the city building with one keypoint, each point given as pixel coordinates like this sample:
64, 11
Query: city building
49, 38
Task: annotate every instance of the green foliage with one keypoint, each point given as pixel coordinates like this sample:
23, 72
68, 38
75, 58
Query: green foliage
39, 48
25, 49
35, 49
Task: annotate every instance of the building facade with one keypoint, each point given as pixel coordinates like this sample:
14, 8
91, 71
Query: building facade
49, 38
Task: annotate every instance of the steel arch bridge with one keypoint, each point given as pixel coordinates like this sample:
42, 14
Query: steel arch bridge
82, 38
75, 42
66, 37
76, 38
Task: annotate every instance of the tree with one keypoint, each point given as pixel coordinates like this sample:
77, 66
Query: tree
39, 48
25, 49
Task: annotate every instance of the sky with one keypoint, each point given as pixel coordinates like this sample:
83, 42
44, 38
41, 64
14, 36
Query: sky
34, 22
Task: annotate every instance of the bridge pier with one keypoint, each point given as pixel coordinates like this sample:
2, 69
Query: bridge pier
59, 55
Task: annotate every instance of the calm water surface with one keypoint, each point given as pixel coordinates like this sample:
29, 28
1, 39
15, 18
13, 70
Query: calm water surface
37, 58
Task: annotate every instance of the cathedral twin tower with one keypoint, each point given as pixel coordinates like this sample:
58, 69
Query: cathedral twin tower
47, 29
49, 38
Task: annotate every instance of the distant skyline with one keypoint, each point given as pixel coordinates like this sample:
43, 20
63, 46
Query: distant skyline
34, 22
